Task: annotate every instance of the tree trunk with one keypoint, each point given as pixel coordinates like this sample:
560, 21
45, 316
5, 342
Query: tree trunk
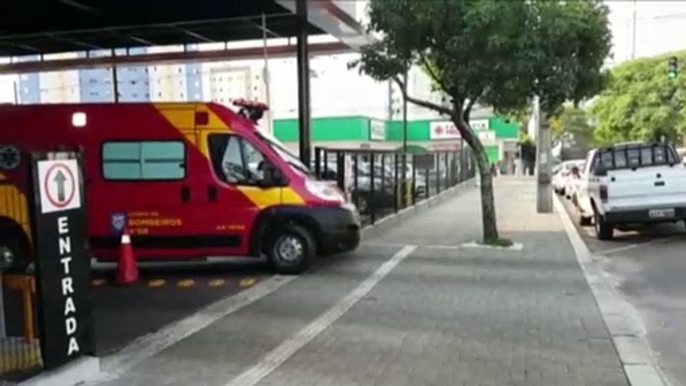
488, 217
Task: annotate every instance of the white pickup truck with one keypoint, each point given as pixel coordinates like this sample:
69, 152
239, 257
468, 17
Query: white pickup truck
631, 183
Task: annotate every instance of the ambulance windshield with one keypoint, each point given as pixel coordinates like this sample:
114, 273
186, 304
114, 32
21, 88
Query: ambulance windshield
286, 155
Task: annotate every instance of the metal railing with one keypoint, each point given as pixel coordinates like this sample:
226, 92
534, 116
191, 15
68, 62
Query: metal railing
20, 353
381, 182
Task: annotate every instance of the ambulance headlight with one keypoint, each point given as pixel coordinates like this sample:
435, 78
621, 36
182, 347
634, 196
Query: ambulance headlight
324, 191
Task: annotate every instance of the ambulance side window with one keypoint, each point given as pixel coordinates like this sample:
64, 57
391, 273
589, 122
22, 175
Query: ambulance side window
235, 160
144, 160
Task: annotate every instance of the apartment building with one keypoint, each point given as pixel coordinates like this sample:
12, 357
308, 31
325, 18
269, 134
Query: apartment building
134, 83
229, 82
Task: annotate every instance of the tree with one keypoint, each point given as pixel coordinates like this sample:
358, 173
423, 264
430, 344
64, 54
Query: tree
496, 53
642, 102
572, 127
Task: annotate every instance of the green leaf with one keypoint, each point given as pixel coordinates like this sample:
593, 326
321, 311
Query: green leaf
642, 102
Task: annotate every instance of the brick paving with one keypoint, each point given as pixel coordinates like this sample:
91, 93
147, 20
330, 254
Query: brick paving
446, 315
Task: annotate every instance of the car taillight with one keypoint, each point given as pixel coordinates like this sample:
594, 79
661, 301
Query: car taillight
603, 193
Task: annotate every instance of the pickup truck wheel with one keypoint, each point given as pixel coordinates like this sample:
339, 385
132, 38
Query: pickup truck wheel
603, 230
292, 250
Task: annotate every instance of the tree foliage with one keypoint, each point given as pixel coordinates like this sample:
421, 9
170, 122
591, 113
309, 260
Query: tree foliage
642, 103
573, 128
492, 52
499, 53
573, 122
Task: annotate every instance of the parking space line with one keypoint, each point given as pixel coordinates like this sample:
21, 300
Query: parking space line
156, 283
216, 283
247, 282
120, 362
435, 246
381, 245
186, 283
99, 282
293, 344
635, 246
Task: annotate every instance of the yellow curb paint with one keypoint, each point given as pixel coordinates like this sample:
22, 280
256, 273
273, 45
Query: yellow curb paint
216, 283
156, 283
186, 283
99, 282
247, 282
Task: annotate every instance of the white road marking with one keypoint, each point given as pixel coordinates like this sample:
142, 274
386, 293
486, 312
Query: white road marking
634, 246
397, 245
293, 344
449, 247
513, 247
151, 344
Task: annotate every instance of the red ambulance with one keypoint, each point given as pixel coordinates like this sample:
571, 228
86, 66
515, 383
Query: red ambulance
187, 180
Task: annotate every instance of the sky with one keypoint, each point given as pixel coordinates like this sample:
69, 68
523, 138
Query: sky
659, 27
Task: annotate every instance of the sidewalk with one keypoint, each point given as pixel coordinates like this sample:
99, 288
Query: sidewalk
414, 308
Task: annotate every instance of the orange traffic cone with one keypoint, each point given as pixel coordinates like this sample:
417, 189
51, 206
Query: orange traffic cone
127, 271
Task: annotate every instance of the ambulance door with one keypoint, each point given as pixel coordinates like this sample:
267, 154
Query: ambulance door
231, 194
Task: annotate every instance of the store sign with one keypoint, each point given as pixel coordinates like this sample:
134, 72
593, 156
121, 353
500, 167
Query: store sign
486, 136
377, 130
444, 130
480, 124
62, 261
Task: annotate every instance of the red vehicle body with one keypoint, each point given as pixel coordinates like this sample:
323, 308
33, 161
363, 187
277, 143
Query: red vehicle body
188, 180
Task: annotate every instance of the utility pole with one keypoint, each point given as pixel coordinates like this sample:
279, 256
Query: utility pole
544, 192
303, 60
16, 92
265, 77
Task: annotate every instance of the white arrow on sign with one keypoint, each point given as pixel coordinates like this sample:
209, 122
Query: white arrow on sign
59, 185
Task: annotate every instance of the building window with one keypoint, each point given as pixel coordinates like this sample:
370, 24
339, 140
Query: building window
150, 160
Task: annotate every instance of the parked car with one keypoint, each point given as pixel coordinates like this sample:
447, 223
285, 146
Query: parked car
631, 184
562, 176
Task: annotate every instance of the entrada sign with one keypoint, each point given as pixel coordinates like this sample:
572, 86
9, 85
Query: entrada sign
63, 264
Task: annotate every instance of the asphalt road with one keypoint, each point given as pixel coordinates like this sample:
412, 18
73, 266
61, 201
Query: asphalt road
649, 268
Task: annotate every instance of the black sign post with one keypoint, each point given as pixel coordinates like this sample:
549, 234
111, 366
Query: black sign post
63, 263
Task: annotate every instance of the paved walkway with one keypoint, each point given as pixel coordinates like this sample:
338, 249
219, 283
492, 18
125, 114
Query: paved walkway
413, 307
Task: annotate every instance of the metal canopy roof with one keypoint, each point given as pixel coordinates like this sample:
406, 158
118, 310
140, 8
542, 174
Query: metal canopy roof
30, 27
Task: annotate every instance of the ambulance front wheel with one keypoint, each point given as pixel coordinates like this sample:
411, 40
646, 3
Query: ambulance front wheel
292, 250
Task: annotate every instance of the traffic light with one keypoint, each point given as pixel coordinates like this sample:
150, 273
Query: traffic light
673, 67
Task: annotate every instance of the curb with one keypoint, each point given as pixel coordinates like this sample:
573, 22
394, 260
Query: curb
79, 371
625, 328
395, 219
